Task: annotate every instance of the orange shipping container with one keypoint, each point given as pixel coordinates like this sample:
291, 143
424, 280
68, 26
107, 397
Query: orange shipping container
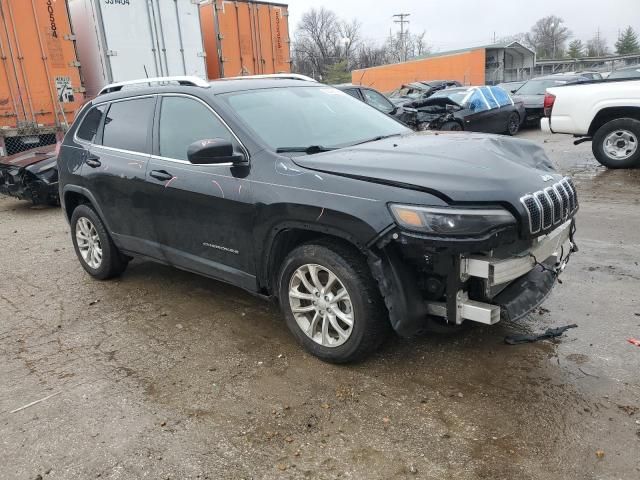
245, 38
467, 67
39, 77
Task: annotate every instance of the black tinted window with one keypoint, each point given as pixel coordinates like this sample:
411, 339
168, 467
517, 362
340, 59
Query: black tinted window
127, 124
184, 121
89, 126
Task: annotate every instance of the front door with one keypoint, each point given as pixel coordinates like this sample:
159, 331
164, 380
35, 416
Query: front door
202, 214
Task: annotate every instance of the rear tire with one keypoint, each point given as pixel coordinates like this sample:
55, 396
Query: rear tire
451, 127
362, 308
615, 144
94, 247
513, 124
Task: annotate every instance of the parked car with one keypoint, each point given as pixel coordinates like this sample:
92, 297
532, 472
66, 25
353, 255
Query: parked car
590, 75
532, 94
372, 97
605, 113
32, 175
511, 87
628, 72
420, 90
297, 191
477, 109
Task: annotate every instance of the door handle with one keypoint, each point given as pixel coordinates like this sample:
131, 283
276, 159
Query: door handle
93, 161
161, 175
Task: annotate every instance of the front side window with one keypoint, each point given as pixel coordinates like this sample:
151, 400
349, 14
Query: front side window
127, 124
377, 100
353, 92
477, 103
88, 129
184, 121
310, 116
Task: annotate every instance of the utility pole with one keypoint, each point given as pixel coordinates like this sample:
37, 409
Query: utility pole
403, 40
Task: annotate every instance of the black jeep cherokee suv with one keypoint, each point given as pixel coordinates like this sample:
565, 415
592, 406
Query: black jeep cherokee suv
294, 190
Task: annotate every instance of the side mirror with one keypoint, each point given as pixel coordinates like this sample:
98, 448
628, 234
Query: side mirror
212, 151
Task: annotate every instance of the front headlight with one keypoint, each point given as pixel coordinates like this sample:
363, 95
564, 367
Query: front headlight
451, 221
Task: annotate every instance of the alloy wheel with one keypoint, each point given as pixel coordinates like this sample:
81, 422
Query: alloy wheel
88, 242
620, 144
321, 305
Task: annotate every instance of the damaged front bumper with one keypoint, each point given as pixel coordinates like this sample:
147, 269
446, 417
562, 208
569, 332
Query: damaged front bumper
456, 287
37, 183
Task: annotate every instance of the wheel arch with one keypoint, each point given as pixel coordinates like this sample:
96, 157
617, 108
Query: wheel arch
288, 235
73, 196
612, 113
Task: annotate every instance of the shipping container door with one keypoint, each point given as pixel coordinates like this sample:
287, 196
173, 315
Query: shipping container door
178, 24
12, 107
131, 41
280, 38
236, 45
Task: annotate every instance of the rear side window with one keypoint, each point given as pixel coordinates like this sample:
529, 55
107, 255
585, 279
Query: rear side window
184, 121
88, 129
127, 124
503, 97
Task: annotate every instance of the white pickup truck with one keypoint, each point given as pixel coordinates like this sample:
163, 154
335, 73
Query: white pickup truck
605, 112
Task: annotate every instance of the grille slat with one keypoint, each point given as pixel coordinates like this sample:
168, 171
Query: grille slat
557, 204
551, 206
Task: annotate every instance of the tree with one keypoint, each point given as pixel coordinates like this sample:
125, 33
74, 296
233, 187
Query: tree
548, 37
576, 49
627, 42
597, 46
323, 40
413, 45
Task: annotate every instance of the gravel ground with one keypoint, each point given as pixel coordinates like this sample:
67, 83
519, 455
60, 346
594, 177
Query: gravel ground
166, 375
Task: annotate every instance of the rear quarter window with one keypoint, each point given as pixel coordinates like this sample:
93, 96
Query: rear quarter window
128, 123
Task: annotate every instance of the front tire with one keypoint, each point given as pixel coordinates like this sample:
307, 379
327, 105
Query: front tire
451, 127
615, 144
93, 245
331, 302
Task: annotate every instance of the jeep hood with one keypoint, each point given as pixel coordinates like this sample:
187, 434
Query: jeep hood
457, 167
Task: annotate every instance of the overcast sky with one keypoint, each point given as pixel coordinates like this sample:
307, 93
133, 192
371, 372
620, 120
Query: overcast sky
457, 24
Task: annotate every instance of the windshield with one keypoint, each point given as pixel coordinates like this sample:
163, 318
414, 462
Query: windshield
628, 73
310, 116
539, 87
454, 94
407, 92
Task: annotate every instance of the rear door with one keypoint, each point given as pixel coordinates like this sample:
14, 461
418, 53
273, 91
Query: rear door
115, 168
202, 214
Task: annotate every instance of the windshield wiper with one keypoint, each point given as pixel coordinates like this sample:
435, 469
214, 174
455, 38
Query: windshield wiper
310, 150
375, 139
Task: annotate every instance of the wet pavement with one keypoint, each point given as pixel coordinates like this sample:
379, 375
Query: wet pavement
163, 374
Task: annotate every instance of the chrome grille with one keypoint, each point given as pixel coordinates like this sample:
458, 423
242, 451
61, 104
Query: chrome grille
551, 206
